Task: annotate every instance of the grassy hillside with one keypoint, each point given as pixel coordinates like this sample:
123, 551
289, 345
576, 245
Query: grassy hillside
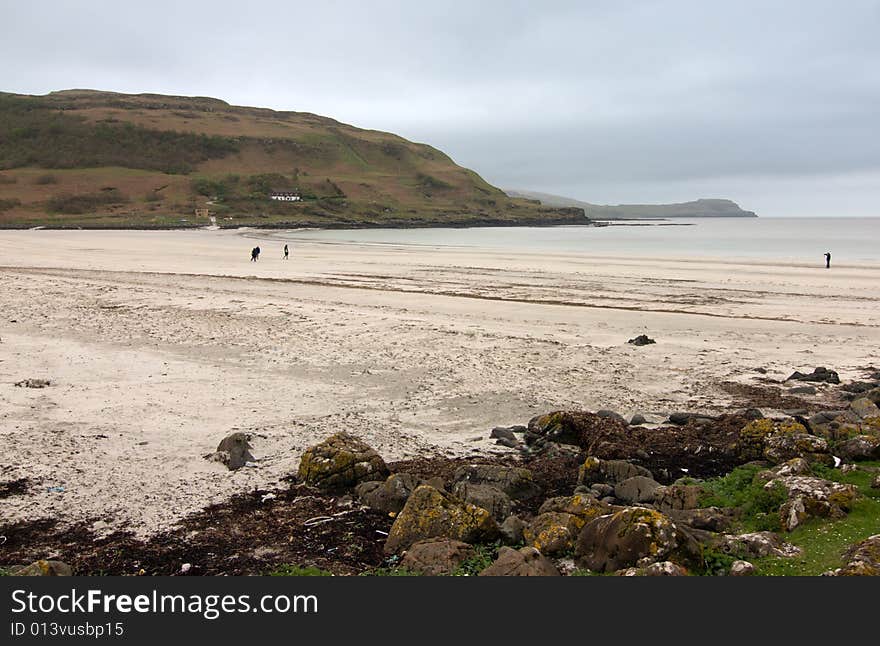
83, 158
703, 208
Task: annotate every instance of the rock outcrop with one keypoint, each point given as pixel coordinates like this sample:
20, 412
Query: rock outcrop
341, 461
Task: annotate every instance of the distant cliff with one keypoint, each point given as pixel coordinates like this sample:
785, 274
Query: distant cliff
703, 208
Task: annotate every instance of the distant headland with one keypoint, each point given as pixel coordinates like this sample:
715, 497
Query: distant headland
703, 208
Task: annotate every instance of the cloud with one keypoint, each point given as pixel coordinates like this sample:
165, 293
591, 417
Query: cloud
602, 98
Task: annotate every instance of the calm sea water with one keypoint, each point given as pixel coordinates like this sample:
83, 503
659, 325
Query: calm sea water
793, 240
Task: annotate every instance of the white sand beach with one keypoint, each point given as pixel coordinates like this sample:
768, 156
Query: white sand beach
159, 344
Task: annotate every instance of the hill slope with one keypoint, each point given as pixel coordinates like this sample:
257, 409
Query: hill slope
101, 159
703, 208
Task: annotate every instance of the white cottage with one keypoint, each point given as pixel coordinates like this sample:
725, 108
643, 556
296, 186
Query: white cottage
285, 196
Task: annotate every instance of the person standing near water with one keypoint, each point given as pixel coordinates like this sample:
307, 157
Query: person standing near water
827, 259
285, 252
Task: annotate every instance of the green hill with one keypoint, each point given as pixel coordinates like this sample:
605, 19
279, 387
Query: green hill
703, 208
84, 158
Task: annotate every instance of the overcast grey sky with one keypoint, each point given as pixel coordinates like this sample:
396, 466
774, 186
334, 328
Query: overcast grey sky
775, 105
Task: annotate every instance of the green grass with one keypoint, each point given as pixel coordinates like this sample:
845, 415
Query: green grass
825, 541
389, 571
295, 570
484, 557
740, 489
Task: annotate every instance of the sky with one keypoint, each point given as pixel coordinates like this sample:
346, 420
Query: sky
775, 105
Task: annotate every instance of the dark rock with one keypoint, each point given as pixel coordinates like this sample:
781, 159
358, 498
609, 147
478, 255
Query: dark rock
602, 490
680, 419
860, 387
510, 444
641, 339
234, 451
803, 390
512, 530
861, 447
637, 420
430, 513
486, 496
636, 489
339, 462
820, 374
874, 395
436, 556
594, 470
503, 433
516, 482
389, 496
33, 383
610, 414
523, 562
752, 414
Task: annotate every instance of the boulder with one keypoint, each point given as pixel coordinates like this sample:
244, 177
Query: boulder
339, 462
43, 568
516, 482
436, 556
794, 467
680, 419
503, 432
512, 530
594, 470
610, 414
637, 420
431, 513
861, 447
234, 451
601, 490
677, 497
33, 383
779, 441
802, 390
874, 395
583, 505
711, 519
486, 496
642, 339
665, 568
755, 545
636, 489
628, 538
863, 558
864, 408
809, 496
523, 562
389, 496
553, 532
820, 374
741, 568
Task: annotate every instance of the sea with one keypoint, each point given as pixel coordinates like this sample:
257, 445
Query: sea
778, 240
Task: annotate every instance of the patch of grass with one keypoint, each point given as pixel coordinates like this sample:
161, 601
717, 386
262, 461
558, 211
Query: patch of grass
85, 203
484, 557
740, 489
389, 571
824, 541
295, 570
5, 205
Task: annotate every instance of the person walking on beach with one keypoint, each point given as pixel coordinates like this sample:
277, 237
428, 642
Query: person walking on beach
827, 260
285, 252
255, 254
